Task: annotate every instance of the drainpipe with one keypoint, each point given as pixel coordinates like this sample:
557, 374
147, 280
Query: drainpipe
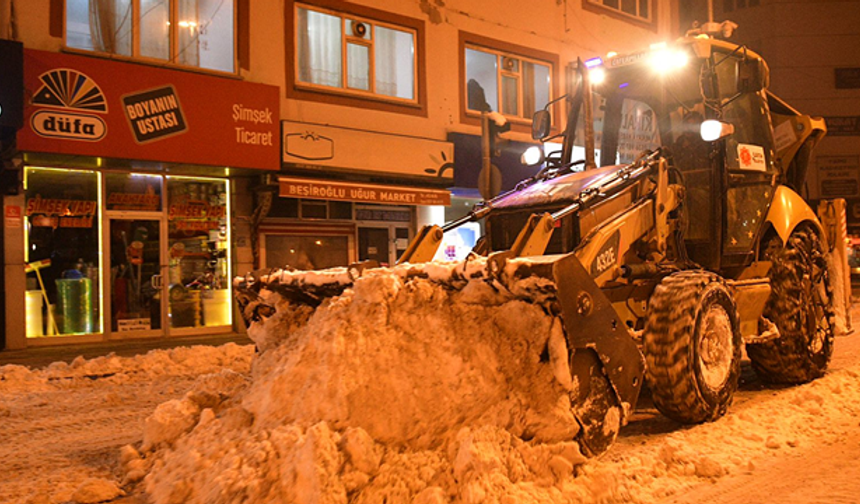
8, 23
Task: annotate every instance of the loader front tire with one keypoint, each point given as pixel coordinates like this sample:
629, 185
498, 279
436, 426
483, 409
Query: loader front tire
800, 307
692, 346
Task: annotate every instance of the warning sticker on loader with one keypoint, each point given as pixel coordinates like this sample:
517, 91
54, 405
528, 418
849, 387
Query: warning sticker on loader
751, 157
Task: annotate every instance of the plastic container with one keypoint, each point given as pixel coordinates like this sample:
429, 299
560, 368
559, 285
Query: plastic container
34, 314
75, 297
216, 307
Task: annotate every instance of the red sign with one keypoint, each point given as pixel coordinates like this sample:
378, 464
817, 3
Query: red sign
97, 107
13, 212
13, 216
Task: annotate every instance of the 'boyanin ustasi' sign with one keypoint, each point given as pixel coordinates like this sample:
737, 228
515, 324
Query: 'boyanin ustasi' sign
97, 107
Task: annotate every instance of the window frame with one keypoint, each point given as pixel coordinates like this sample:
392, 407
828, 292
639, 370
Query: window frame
370, 44
344, 95
500, 49
239, 8
598, 7
517, 75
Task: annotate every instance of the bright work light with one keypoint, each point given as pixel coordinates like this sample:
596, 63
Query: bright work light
532, 156
665, 60
714, 130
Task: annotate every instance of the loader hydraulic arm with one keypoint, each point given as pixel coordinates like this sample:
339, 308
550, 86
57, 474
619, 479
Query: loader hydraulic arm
535, 235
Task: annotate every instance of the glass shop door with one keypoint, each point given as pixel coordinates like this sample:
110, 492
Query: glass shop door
135, 283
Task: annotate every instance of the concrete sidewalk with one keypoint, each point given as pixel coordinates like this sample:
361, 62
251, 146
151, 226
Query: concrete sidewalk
38, 357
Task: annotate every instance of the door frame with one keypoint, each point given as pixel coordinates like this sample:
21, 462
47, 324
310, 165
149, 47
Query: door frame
109, 217
392, 235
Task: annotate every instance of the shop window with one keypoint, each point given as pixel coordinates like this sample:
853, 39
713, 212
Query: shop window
636, 9
133, 191
306, 252
354, 54
198, 253
340, 210
513, 85
62, 252
195, 33
312, 209
284, 207
383, 213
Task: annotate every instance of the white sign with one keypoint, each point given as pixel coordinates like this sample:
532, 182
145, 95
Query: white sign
138, 324
315, 146
751, 157
784, 136
839, 176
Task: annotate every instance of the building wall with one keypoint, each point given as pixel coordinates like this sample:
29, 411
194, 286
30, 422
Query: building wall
562, 29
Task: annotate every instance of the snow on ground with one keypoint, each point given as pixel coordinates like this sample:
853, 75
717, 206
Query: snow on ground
62, 427
376, 397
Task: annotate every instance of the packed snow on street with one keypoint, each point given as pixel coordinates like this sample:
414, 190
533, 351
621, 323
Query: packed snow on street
402, 392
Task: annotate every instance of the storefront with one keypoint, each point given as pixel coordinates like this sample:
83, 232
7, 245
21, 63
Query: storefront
376, 191
124, 225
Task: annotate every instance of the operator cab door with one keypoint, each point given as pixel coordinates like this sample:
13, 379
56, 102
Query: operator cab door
749, 161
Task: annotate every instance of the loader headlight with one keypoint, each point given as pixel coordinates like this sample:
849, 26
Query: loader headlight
666, 60
532, 156
714, 130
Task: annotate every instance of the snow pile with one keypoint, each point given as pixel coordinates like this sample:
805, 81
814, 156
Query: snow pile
751, 435
403, 389
179, 361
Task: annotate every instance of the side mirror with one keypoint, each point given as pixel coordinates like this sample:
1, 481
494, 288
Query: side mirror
751, 75
541, 124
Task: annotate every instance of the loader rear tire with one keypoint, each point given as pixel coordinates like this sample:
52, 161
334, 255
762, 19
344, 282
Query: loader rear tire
692, 346
800, 307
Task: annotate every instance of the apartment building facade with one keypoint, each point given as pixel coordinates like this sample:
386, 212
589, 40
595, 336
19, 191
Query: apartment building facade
167, 145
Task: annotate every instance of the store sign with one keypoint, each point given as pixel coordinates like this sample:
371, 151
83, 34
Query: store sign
132, 201
154, 114
843, 125
365, 193
196, 216
314, 146
63, 213
839, 176
97, 107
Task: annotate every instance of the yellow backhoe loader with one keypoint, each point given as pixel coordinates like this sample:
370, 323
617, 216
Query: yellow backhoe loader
678, 237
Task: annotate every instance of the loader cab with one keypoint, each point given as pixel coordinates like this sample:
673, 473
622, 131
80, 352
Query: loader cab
747, 156
729, 182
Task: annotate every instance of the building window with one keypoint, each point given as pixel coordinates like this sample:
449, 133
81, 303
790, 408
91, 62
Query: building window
310, 209
638, 9
61, 252
194, 33
513, 85
355, 55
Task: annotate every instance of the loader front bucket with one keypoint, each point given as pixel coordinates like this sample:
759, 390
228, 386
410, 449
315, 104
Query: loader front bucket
605, 362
